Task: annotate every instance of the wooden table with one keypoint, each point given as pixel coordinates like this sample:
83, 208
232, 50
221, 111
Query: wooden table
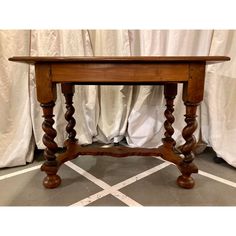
165, 71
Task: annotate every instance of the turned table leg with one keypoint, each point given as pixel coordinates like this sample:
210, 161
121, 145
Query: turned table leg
52, 180
170, 91
192, 96
68, 91
46, 95
186, 167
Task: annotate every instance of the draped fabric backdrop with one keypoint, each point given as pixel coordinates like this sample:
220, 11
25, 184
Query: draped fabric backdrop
111, 113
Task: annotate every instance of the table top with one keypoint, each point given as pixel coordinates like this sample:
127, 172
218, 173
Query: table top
117, 59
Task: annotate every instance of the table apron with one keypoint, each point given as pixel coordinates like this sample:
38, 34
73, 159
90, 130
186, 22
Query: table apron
119, 72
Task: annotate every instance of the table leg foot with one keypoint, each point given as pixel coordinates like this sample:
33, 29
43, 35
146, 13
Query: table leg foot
51, 181
185, 181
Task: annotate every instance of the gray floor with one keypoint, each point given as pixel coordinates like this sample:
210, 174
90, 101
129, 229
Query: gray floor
131, 181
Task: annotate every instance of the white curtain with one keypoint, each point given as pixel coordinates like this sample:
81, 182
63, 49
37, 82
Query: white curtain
146, 119
110, 113
16, 143
219, 107
62, 43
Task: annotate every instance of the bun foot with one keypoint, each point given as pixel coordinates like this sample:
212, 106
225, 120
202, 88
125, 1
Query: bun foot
185, 181
51, 181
